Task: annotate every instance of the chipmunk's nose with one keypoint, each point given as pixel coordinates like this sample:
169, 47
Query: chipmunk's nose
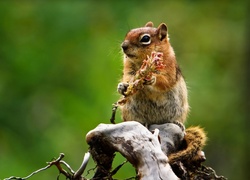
124, 45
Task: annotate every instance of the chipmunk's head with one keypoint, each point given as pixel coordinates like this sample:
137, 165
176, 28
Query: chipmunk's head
140, 42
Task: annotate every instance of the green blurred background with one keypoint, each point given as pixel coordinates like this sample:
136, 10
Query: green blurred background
60, 63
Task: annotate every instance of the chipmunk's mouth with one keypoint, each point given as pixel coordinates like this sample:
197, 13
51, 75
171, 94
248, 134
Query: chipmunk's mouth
130, 55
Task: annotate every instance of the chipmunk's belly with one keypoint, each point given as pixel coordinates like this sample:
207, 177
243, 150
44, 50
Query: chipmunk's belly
167, 107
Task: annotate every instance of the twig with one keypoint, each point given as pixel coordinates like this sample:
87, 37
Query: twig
59, 167
114, 108
33, 173
80, 171
68, 166
92, 169
54, 162
117, 168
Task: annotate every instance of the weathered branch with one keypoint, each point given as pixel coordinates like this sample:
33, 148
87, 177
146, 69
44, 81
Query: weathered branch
136, 143
79, 172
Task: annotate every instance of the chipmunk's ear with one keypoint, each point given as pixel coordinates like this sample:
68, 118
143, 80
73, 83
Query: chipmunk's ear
162, 31
149, 24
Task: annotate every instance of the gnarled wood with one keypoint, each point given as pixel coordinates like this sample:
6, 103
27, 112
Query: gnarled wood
137, 144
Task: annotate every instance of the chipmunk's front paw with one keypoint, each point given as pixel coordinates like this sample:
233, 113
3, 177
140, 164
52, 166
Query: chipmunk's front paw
122, 88
150, 81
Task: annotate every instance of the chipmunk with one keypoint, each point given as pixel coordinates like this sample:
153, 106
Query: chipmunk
164, 97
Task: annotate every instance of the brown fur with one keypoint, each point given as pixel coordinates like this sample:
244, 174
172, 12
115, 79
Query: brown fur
194, 140
165, 100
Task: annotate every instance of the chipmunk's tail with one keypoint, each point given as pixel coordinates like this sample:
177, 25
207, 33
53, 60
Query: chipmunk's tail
194, 141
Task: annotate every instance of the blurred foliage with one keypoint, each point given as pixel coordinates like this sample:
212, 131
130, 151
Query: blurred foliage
60, 63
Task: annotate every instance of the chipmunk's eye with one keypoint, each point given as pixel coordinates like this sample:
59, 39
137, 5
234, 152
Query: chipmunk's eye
145, 39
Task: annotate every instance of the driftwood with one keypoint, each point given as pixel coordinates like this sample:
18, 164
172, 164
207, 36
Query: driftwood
146, 149
137, 144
